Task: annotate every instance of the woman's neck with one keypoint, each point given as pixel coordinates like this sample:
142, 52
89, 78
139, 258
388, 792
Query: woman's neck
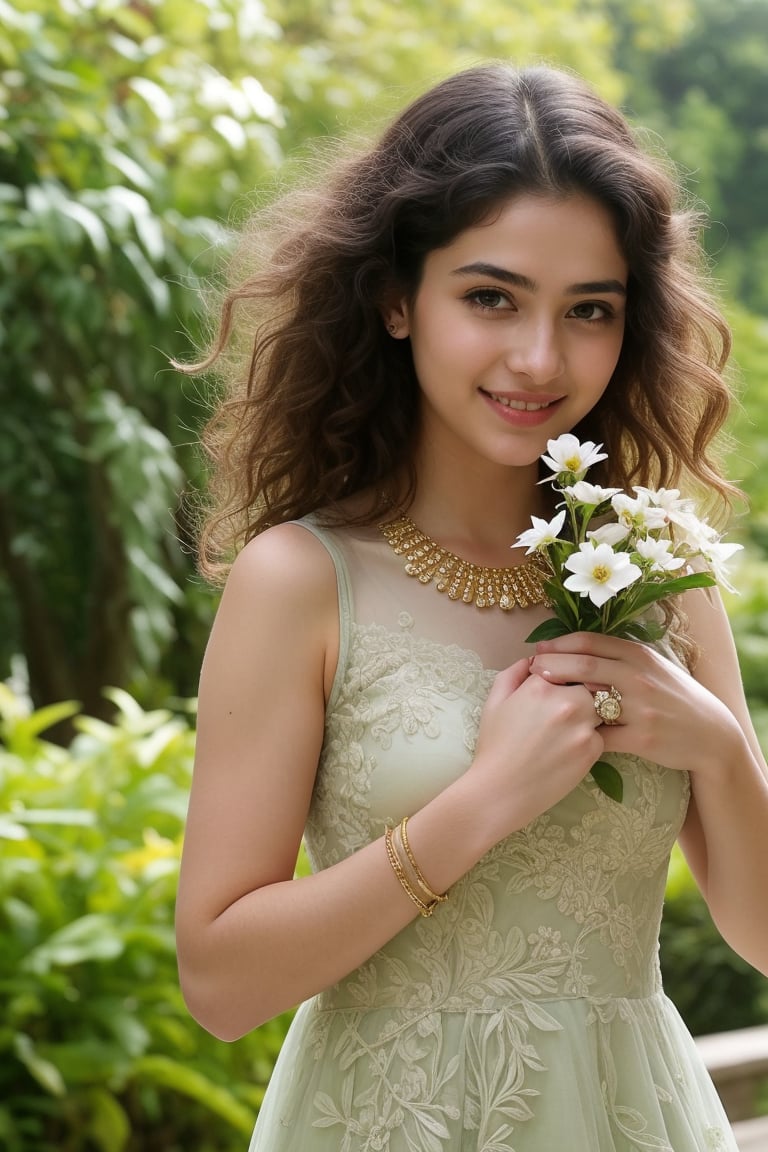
479, 515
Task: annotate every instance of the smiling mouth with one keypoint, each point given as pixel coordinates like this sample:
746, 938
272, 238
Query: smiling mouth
522, 405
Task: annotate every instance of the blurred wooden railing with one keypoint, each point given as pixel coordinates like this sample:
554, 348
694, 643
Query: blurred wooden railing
738, 1064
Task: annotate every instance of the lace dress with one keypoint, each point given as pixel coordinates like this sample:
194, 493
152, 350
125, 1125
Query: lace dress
527, 1014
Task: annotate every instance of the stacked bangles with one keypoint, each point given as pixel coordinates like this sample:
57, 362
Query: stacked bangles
408, 872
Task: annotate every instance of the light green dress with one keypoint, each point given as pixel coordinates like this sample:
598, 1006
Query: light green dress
527, 1014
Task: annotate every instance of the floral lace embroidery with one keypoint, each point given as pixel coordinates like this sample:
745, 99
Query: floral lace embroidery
392, 682
450, 1028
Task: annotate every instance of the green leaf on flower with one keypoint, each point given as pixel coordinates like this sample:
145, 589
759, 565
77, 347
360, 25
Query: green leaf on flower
621, 614
548, 630
648, 631
608, 780
647, 594
565, 605
692, 580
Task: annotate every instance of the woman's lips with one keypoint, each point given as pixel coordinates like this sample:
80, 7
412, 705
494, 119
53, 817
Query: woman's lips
522, 409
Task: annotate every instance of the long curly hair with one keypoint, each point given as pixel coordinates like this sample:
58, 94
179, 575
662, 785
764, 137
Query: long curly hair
319, 403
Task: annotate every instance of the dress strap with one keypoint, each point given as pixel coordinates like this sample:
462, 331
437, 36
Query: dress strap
344, 587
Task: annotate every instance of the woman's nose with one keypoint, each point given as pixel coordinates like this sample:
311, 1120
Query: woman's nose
535, 352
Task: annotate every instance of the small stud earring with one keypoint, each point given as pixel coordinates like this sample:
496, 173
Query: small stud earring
392, 328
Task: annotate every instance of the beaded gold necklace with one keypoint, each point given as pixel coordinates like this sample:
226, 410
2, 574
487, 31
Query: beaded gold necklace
518, 587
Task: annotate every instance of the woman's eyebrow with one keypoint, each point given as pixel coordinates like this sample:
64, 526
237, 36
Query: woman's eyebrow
480, 268
597, 286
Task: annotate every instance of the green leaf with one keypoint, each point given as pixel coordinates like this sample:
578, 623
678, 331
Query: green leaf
109, 1126
87, 1061
11, 830
43, 1071
548, 630
647, 631
42, 718
647, 594
68, 817
692, 580
89, 222
608, 780
91, 937
167, 1073
565, 605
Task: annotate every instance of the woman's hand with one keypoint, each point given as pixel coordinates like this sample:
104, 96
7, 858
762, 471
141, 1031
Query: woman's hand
537, 740
666, 716
700, 724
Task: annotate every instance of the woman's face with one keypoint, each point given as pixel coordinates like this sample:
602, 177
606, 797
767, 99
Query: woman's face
516, 328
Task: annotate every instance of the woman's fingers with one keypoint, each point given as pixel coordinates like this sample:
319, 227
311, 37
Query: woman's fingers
592, 671
595, 661
509, 680
536, 741
592, 644
608, 668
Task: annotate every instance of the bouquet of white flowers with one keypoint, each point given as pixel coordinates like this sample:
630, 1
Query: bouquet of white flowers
611, 556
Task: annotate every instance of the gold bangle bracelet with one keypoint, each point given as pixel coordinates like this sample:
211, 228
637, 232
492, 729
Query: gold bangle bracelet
399, 871
432, 896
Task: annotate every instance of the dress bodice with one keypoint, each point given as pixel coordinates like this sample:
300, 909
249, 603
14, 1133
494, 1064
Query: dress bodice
568, 906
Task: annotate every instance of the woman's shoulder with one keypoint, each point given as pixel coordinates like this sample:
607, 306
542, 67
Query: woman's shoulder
288, 565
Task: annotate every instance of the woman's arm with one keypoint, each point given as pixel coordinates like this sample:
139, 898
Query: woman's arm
725, 838
252, 941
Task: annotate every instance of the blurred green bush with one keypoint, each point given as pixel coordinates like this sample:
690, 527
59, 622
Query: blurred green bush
97, 1051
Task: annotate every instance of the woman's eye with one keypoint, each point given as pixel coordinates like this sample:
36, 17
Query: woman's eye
590, 310
490, 298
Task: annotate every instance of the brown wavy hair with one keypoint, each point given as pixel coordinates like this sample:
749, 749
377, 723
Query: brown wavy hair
320, 404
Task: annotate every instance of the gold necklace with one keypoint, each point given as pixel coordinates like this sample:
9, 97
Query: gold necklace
521, 586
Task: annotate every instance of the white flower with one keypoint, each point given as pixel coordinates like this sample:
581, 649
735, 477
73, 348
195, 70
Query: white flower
666, 498
691, 531
659, 553
716, 555
638, 513
587, 493
599, 572
544, 532
609, 534
567, 454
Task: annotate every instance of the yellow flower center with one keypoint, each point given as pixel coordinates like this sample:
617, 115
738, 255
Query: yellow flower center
601, 573
573, 463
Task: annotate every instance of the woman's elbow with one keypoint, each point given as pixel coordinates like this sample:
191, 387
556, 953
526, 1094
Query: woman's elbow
208, 987
213, 1007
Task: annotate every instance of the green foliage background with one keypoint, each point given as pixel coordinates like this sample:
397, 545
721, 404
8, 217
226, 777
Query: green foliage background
97, 1050
131, 135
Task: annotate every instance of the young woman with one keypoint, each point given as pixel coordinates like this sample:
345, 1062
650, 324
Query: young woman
477, 944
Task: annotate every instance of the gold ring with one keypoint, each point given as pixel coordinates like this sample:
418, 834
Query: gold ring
608, 705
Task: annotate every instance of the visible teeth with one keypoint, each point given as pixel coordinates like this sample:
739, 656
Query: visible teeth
521, 405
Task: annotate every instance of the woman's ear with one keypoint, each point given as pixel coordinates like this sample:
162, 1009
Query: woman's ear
396, 315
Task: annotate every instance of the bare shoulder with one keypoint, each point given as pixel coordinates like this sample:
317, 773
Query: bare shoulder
287, 561
280, 601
